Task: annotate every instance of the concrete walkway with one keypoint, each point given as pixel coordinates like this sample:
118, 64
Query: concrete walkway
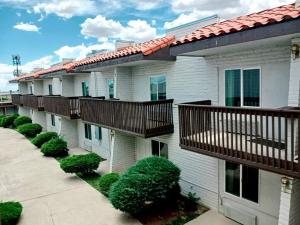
48, 195
211, 217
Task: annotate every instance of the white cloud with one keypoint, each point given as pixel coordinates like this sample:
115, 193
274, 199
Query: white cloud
146, 4
26, 27
66, 8
80, 51
184, 18
100, 27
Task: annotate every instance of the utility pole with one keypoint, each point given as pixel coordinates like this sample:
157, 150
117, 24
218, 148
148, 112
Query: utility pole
16, 62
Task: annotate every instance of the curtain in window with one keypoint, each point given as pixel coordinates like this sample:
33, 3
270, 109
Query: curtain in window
233, 87
251, 86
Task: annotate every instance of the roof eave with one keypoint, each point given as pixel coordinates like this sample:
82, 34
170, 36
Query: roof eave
258, 33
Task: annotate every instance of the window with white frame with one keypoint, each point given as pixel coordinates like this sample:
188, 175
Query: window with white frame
50, 89
98, 133
242, 181
242, 87
88, 131
111, 88
159, 149
85, 88
52, 120
158, 88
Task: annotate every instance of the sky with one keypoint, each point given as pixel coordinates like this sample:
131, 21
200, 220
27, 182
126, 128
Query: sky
43, 32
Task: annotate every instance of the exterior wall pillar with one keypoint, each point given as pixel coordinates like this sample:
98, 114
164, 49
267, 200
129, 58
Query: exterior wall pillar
122, 152
68, 130
289, 202
294, 85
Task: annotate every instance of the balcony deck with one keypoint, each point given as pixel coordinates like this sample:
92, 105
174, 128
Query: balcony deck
263, 138
144, 119
62, 106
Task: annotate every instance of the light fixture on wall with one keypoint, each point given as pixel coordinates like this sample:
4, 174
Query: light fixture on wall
285, 184
295, 50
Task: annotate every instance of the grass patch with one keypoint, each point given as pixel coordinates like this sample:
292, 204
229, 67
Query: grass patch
92, 179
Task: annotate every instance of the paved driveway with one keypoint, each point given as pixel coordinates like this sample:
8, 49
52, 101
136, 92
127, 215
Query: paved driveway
48, 195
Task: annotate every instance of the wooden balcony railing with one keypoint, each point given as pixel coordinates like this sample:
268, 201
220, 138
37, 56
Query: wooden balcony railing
263, 138
17, 99
145, 119
62, 106
33, 101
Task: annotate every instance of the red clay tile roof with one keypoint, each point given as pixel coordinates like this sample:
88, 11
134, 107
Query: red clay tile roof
263, 18
145, 48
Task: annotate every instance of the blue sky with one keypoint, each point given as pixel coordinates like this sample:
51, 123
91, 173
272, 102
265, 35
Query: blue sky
43, 32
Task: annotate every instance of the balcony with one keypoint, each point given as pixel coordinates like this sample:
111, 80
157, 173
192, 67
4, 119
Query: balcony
267, 139
33, 101
144, 119
17, 99
62, 106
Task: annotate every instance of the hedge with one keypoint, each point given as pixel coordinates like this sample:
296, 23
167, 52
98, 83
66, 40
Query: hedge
148, 183
22, 120
44, 137
8, 121
81, 164
106, 182
30, 129
56, 147
10, 212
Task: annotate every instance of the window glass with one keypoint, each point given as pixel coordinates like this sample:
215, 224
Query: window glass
111, 91
88, 131
233, 87
50, 89
158, 88
85, 88
31, 89
250, 184
52, 120
232, 178
251, 87
159, 149
163, 150
155, 147
98, 133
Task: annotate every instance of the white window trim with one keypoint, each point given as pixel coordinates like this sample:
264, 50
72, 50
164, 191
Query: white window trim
240, 198
159, 147
242, 86
162, 75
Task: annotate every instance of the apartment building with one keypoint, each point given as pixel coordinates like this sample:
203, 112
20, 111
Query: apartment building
220, 100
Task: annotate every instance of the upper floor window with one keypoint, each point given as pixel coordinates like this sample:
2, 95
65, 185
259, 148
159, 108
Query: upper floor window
242, 181
242, 87
85, 88
111, 89
30, 89
158, 88
50, 90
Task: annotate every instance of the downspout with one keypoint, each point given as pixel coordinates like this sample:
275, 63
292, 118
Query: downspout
115, 82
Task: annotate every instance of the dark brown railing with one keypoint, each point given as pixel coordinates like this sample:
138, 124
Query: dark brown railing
17, 99
146, 119
33, 101
63, 106
264, 138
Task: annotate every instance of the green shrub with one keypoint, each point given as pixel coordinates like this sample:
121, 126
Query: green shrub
148, 183
106, 182
82, 164
1, 120
44, 137
22, 120
8, 121
56, 147
30, 129
10, 212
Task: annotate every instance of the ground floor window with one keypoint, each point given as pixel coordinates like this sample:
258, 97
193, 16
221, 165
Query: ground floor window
88, 131
242, 181
53, 120
98, 133
159, 149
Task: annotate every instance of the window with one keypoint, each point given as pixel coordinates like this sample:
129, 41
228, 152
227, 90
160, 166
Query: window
50, 89
88, 131
242, 181
85, 88
159, 149
111, 90
31, 89
53, 120
242, 87
158, 88
98, 133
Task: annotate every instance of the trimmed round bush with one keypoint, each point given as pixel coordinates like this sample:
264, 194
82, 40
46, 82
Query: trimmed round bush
22, 120
81, 164
10, 212
148, 183
30, 129
1, 120
8, 121
106, 182
44, 137
56, 147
